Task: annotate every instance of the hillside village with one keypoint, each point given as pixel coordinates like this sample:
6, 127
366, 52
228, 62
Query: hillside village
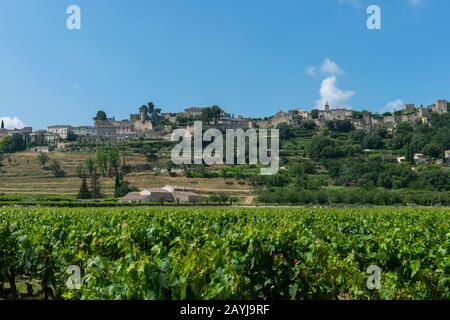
331, 155
150, 123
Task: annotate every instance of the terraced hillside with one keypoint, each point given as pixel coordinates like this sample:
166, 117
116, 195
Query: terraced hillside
21, 174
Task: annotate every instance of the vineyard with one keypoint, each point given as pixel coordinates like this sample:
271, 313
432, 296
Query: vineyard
216, 253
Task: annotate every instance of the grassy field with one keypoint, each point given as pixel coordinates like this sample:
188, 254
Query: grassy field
22, 175
226, 253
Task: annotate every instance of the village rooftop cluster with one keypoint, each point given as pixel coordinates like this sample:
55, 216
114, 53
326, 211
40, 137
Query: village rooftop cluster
150, 123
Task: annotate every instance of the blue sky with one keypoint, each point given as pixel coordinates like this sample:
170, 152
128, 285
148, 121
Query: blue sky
252, 57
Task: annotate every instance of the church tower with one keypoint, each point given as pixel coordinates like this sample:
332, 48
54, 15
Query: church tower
143, 112
327, 107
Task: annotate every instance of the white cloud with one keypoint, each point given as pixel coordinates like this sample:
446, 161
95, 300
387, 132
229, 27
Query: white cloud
329, 92
330, 67
393, 105
311, 71
12, 122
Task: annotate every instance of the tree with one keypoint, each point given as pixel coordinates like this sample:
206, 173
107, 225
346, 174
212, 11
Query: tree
151, 107
13, 143
169, 165
100, 116
434, 178
285, 131
150, 153
102, 160
4, 144
440, 120
382, 132
117, 185
71, 136
81, 171
55, 167
344, 126
432, 150
155, 116
308, 125
145, 110
84, 192
329, 124
373, 141
89, 164
3, 125
321, 147
96, 187
43, 159
314, 113
216, 112
402, 135
113, 157
357, 136
206, 115
121, 187
409, 153
17, 142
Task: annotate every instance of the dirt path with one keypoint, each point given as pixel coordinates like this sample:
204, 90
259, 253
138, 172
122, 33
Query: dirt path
249, 200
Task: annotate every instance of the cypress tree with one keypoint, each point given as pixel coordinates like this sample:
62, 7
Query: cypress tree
96, 188
84, 190
117, 185
409, 154
3, 125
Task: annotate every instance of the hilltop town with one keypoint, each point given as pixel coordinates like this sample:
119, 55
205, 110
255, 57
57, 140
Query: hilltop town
331, 155
150, 123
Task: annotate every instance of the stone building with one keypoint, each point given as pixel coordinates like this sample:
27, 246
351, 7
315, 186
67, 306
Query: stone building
149, 195
440, 107
410, 107
104, 128
424, 115
43, 137
122, 127
304, 115
24, 132
243, 122
62, 131
84, 131
329, 114
367, 123
280, 117
194, 112
263, 124
166, 194
389, 122
41, 149
171, 117
117, 129
142, 124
